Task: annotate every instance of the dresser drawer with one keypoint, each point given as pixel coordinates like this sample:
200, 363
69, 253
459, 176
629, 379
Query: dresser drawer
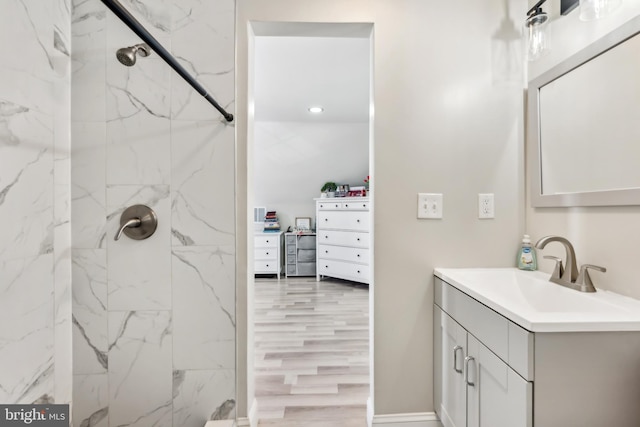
261, 266
359, 255
357, 220
291, 249
265, 253
330, 205
266, 241
344, 238
356, 206
343, 270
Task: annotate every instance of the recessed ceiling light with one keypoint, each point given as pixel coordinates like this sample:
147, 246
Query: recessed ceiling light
316, 110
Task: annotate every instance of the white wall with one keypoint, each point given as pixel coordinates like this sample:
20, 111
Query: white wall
35, 240
292, 160
605, 236
441, 125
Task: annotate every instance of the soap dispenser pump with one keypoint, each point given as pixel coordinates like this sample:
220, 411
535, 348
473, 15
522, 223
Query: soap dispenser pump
527, 255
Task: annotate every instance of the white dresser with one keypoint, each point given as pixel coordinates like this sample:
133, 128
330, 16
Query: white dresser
342, 228
267, 253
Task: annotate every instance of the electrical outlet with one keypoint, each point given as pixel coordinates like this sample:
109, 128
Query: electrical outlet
430, 205
486, 207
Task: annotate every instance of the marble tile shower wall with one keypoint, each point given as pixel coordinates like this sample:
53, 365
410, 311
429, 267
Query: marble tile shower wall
153, 320
35, 241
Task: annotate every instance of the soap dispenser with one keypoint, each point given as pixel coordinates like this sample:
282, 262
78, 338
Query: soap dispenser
527, 255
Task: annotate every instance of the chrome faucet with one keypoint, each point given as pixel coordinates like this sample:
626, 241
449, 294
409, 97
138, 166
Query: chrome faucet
568, 276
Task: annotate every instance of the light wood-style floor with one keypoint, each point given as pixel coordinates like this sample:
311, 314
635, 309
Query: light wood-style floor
312, 352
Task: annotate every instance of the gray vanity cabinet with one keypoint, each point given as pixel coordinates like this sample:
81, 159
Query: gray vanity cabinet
473, 386
491, 372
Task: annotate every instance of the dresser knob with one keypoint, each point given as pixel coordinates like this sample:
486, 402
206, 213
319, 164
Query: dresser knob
358, 239
357, 220
358, 255
267, 253
346, 206
326, 252
358, 271
326, 237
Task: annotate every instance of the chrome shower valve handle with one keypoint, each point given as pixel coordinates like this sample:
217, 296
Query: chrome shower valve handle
137, 222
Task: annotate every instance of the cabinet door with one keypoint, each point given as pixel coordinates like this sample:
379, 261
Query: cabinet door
452, 388
496, 395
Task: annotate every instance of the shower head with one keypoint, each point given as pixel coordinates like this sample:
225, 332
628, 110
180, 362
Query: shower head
127, 55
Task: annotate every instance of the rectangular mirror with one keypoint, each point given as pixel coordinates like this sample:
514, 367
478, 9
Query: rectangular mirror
584, 119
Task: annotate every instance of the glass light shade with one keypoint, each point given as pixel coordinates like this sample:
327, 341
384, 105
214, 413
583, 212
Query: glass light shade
537, 42
596, 9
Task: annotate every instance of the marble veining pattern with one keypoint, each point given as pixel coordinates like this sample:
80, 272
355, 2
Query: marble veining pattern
27, 343
140, 368
90, 341
202, 395
200, 153
91, 400
204, 308
312, 352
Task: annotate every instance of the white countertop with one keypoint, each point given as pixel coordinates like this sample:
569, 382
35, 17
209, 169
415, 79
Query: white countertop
530, 300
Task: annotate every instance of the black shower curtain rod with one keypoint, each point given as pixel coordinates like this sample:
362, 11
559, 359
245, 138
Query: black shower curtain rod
136, 27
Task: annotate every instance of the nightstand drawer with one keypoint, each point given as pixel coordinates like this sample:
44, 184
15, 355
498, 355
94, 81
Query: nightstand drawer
265, 253
265, 266
266, 241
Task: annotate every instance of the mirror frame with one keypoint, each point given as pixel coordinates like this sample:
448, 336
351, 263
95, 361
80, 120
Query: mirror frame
624, 197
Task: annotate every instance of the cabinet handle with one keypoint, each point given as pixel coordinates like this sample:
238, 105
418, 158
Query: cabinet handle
267, 253
326, 252
326, 219
358, 271
346, 206
358, 255
466, 369
267, 241
326, 237
455, 359
358, 239
357, 220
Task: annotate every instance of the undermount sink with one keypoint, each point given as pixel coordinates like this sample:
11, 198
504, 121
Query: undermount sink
530, 300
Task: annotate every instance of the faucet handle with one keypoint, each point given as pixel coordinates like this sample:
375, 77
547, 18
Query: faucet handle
584, 280
558, 271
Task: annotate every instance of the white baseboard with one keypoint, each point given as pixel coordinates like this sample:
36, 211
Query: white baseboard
252, 419
415, 419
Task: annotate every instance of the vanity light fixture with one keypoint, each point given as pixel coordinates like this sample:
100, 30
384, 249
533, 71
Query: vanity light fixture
536, 24
596, 9
316, 110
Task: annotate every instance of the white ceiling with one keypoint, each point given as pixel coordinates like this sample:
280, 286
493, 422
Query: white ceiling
293, 73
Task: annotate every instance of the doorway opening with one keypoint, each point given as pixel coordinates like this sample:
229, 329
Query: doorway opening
310, 122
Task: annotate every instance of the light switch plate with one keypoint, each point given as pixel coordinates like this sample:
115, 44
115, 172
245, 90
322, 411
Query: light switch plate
430, 205
486, 208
